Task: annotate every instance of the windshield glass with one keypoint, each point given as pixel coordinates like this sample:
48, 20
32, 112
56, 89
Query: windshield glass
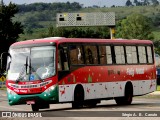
28, 64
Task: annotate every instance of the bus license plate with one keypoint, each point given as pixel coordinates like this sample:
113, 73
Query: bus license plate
31, 102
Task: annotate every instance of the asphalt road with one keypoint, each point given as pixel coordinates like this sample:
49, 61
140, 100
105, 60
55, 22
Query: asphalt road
141, 108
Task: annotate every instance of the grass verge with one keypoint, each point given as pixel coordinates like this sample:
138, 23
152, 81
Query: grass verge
3, 88
158, 87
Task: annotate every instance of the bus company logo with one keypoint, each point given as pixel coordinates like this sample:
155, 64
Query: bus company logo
6, 114
132, 72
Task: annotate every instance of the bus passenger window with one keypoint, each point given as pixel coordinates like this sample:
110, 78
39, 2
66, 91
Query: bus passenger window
108, 55
119, 52
105, 55
63, 60
102, 55
142, 54
91, 55
76, 55
73, 54
59, 61
80, 55
131, 54
149, 53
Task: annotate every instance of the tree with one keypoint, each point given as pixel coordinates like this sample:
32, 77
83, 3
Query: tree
157, 46
156, 19
78, 32
146, 2
135, 26
136, 2
128, 3
155, 2
9, 30
113, 6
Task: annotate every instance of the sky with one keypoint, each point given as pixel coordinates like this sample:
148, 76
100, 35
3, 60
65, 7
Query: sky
101, 3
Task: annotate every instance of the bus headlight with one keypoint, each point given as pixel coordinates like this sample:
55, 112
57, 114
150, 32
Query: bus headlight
50, 89
11, 91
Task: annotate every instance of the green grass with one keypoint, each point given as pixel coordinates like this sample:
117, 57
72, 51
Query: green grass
37, 33
3, 88
158, 88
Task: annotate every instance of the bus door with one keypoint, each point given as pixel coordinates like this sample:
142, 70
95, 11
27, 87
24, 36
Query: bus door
65, 89
63, 65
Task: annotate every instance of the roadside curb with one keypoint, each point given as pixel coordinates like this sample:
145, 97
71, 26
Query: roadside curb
155, 93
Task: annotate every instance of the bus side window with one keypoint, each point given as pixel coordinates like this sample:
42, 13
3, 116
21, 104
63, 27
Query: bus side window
109, 55
149, 53
131, 54
63, 60
113, 55
119, 53
142, 54
59, 61
91, 54
102, 55
76, 55
105, 55
80, 55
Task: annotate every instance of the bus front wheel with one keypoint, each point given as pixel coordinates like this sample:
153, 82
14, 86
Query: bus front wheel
35, 107
78, 97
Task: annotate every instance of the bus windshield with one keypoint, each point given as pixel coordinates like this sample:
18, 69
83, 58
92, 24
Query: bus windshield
28, 64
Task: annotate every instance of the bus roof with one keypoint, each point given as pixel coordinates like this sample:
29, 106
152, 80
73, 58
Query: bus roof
81, 40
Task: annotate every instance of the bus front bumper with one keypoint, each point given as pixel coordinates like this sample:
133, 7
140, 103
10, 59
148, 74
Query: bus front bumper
50, 95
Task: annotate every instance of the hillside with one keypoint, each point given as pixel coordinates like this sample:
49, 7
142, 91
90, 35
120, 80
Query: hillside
36, 21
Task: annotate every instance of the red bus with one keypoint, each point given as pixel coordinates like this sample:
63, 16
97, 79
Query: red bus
79, 71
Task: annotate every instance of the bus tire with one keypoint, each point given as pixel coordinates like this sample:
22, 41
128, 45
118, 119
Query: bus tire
78, 97
35, 107
127, 99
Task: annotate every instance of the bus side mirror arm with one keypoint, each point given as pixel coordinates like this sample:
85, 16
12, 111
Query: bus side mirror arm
1, 59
